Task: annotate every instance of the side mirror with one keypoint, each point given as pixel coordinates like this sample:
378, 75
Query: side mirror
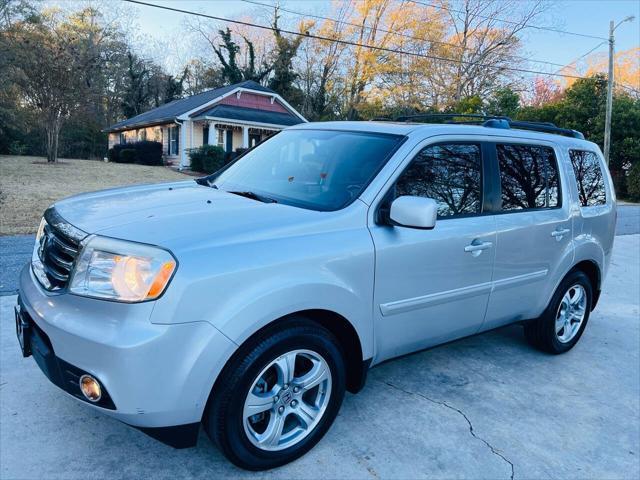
414, 212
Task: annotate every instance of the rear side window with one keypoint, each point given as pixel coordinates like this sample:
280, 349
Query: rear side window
589, 179
448, 173
528, 177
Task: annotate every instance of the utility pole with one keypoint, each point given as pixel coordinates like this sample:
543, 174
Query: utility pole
607, 120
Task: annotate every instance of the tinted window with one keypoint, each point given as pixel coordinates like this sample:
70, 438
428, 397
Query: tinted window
586, 166
450, 174
528, 176
315, 169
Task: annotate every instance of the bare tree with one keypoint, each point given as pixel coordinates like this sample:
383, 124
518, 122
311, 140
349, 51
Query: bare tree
482, 44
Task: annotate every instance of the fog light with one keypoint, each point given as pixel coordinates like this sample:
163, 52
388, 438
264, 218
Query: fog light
90, 388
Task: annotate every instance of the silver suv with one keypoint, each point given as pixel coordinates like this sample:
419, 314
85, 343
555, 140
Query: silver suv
250, 300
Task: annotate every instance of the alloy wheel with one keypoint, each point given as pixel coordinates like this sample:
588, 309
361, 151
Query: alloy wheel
571, 313
287, 400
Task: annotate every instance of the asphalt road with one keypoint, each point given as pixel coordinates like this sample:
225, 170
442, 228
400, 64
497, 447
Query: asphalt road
487, 406
15, 251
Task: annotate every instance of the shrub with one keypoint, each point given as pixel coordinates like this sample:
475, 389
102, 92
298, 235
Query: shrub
128, 155
145, 153
207, 158
149, 153
633, 182
17, 148
116, 152
112, 154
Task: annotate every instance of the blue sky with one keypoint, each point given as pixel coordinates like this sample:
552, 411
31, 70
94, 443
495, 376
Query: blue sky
585, 16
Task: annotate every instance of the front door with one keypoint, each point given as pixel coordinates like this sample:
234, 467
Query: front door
229, 143
432, 286
254, 139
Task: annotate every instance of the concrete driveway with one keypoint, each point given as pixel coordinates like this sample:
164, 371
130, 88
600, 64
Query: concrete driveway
488, 406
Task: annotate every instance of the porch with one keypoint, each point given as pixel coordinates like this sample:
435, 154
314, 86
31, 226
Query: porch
230, 136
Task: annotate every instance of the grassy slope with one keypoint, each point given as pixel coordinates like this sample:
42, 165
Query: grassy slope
28, 185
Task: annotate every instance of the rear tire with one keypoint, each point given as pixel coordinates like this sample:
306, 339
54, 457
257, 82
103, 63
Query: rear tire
267, 387
561, 325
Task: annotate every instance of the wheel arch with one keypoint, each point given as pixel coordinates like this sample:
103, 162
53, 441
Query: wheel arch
350, 343
592, 271
338, 325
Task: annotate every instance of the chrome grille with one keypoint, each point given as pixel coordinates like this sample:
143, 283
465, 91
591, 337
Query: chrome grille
56, 252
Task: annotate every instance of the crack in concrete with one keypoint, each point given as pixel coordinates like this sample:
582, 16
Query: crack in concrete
471, 431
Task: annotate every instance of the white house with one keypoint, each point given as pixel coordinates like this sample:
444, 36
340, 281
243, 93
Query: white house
236, 116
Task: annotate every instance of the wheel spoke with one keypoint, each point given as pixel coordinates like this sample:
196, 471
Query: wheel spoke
273, 432
576, 298
577, 315
306, 413
559, 324
258, 403
286, 366
317, 374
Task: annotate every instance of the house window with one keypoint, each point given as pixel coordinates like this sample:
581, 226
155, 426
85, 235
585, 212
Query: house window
123, 138
173, 140
220, 139
142, 135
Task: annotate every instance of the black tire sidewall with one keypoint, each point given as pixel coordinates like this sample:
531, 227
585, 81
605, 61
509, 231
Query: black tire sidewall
235, 385
550, 337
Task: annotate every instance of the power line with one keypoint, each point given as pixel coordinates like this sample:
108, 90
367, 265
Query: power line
351, 43
510, 22
400, 34
582, 56
627, 87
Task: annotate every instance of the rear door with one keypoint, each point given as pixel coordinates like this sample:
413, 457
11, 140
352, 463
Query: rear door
433, 285
534, 229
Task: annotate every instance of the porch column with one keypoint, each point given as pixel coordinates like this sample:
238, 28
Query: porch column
245, 137
213, 134
184, 158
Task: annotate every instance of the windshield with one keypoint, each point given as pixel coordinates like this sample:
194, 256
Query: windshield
315, 169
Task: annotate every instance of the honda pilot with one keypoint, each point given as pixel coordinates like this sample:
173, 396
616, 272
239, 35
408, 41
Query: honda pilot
248, 301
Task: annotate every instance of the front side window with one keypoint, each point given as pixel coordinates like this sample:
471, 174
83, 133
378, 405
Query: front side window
528, 177
589, 179
448, 173
315, 169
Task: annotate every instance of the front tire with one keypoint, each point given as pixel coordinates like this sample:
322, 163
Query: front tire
278, 395
561, 325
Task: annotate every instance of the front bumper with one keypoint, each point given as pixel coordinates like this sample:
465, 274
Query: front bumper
156, 376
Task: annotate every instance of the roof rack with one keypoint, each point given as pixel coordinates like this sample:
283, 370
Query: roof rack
493, 121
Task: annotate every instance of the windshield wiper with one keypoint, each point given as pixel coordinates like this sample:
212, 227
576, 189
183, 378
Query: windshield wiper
255, 196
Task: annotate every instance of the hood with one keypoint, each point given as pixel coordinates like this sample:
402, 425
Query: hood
171, 214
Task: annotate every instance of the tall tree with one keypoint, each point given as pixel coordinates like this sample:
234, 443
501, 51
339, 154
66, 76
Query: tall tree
227, 53
50, 66
137, 93
284, 76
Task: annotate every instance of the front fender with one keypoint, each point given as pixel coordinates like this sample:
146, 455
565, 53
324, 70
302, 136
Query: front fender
264, 305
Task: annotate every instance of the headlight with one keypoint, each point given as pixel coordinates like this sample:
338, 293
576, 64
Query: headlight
120, 270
